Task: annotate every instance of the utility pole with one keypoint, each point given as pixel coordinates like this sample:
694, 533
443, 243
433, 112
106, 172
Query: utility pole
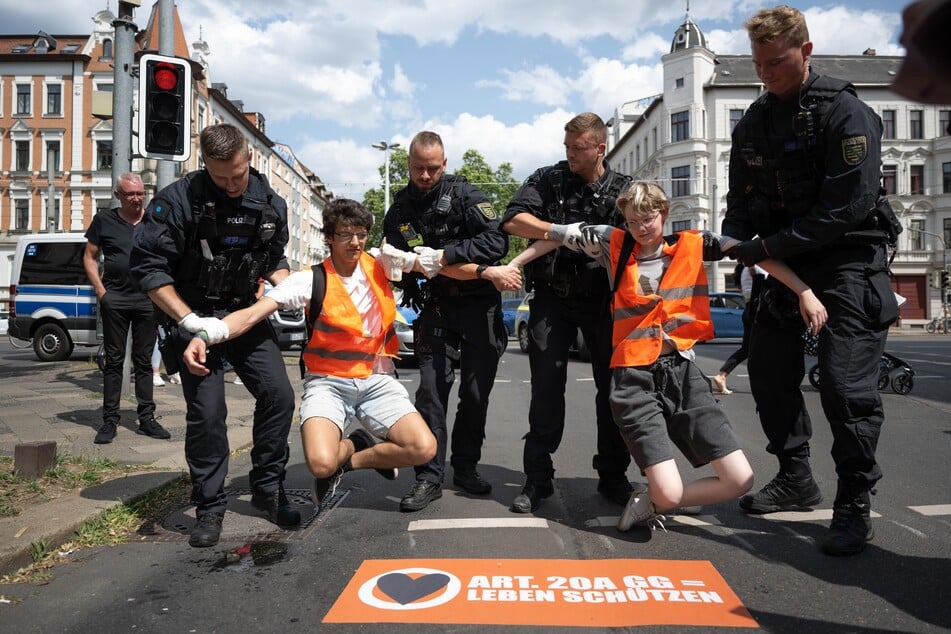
122, 83
386, 147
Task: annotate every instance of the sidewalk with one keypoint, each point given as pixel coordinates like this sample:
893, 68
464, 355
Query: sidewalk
63, 402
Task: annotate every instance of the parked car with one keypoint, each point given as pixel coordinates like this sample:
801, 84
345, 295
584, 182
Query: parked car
4, 317
726, 310
405, 316
521, 330
509, 309
290, 327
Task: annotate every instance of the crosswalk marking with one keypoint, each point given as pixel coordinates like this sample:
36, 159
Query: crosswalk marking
478, 522
804, 516
932, 509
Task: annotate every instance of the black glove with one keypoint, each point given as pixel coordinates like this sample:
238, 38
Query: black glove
749, 252
412, 296
711, 247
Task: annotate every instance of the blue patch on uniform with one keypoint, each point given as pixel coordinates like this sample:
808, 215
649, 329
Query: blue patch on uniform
158, 209
231, 241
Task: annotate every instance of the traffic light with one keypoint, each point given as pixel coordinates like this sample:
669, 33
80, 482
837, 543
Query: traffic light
944, 280
165, 104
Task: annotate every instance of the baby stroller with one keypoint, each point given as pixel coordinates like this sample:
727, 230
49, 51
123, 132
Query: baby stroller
892, 370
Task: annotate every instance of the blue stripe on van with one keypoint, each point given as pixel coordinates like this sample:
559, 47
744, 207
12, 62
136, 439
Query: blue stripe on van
71, 309
49, 289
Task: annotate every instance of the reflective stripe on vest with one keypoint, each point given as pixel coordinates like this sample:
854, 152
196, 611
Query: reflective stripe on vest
680, 308
337, 346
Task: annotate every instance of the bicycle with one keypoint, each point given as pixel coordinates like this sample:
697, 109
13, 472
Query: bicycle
938, 324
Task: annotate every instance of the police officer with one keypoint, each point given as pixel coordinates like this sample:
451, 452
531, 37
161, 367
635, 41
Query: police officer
206, 241
447, 219
571, 292
804, 177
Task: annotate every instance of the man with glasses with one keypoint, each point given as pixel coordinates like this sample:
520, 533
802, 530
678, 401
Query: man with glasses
203, 247
571, 293
122, 306
455, 231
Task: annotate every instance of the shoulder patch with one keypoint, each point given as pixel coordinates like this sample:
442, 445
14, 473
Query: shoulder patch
854, 149
487, 210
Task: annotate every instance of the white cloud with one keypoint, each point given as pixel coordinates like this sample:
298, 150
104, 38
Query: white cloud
865, 29
607, 83
541, 84
647, 46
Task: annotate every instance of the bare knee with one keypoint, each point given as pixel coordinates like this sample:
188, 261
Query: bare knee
322, 465
423, 449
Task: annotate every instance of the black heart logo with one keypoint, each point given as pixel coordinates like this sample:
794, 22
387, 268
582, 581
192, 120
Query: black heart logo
404, 589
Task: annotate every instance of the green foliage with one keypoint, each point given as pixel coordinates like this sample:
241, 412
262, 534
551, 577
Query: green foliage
497, 184
40, 549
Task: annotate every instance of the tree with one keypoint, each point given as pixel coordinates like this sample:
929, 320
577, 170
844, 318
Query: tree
497, 184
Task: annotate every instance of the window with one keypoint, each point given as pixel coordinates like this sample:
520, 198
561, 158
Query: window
654, 131
735, 115
916, 238
888, 178
946, 228
107, 49
680, 181
944, 123
24, 95
21, 215
916, 183
103, 155
916, 124
679, 82
946, 178
54, 263
888, 120
680, 225
637, 155
52, 147
22, 156
679, 126
54, 99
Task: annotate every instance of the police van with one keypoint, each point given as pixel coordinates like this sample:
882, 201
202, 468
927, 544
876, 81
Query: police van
52, 302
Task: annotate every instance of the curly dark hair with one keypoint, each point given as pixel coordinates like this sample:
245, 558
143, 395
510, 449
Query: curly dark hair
344, 212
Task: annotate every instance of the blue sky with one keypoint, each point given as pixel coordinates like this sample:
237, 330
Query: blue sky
331, 77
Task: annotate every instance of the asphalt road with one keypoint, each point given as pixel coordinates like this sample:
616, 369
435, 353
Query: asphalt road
567, 565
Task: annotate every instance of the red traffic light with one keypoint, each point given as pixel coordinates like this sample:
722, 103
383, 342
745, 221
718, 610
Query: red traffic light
166, 76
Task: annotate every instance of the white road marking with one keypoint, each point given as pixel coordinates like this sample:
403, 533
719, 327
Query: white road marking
478, 522
817, 515
933, 509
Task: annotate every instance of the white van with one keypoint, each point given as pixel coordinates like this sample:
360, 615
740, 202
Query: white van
52, 302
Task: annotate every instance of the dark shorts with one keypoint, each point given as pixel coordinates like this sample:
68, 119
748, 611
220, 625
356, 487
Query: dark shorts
667, 404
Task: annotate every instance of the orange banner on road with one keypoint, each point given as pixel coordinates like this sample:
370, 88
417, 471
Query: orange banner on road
599, 593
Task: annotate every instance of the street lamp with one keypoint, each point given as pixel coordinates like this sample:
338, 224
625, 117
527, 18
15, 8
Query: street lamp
386, 147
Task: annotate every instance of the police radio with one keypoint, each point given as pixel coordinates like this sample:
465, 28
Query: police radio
803, 125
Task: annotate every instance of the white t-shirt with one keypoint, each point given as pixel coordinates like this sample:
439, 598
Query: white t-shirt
296, 289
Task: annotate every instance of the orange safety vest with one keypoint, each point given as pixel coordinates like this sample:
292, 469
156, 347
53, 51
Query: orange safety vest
680, 308
337, 345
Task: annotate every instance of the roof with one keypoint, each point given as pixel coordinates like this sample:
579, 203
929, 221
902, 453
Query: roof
861, 70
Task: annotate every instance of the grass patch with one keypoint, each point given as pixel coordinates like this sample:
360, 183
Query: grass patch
115, 525
67, 474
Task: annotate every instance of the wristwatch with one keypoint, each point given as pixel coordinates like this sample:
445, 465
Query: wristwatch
480, 270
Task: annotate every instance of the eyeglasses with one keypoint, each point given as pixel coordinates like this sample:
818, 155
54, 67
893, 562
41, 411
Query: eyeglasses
132, 194
646, 221
347, 236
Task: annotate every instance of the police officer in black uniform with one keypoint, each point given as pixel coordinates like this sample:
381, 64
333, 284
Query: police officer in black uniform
206, 241
804, 177
571, 292
461, 315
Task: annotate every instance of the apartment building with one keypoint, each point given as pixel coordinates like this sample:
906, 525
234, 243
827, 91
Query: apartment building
681, 139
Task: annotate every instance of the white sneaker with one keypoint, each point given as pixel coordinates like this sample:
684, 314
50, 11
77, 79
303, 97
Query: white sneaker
157, 380
638, 509
238, 381
174, 379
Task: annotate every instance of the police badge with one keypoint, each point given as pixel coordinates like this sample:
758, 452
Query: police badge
854, 149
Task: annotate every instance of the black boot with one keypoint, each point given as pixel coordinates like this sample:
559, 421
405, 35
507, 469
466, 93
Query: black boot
851, 526
276, 506
792, 489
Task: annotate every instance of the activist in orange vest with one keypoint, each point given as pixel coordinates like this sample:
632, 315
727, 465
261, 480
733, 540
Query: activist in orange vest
338, 345
349, 359
675, 316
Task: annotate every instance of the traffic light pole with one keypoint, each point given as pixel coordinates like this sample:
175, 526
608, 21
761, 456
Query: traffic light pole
122, 83
944, 267
165, 170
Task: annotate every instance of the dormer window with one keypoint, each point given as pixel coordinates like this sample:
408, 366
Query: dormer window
107, 49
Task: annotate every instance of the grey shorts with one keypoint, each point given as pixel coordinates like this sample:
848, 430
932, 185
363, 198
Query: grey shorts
669, 403
377, 401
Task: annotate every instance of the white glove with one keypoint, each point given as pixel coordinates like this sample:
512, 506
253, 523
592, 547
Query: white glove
591, 239
374, 252
190, 322
397, 258
429, 260
214, 329
568, 235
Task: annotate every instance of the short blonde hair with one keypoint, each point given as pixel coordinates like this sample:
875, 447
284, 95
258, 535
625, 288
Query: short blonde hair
781, 21
588, 122
642, 199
